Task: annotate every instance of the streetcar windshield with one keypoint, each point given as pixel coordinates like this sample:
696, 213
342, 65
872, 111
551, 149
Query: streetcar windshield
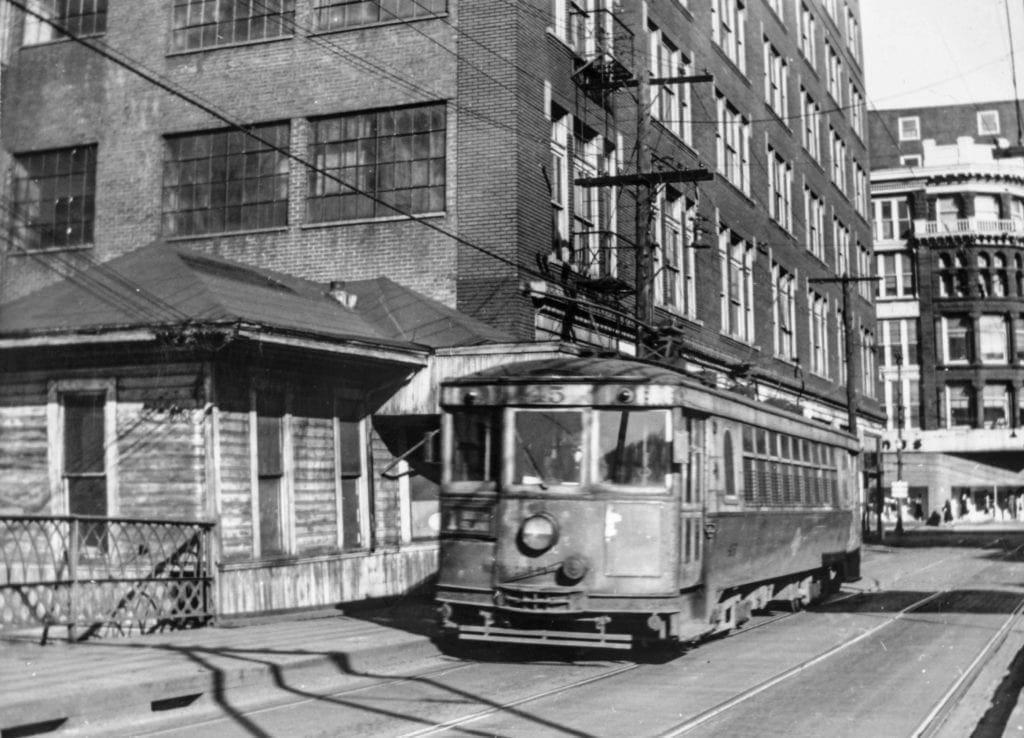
634, 447
548, 447
476, 449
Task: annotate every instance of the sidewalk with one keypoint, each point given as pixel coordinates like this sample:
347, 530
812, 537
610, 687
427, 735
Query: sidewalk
113, 682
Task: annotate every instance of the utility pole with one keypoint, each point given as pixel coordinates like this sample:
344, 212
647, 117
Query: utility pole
899, 439
645, 180
852, 366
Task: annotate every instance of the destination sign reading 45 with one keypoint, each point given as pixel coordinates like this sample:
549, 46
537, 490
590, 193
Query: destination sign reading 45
558, 394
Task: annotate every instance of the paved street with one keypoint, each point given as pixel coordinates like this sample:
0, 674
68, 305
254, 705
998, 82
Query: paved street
880, 659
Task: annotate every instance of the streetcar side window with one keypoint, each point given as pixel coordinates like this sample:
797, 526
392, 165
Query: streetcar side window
548, 447
634, 448
476, 447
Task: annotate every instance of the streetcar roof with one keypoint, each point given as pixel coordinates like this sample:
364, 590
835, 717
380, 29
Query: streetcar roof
597, 370
577, 369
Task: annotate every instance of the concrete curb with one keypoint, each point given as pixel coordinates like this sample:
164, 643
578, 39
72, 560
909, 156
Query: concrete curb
102, 704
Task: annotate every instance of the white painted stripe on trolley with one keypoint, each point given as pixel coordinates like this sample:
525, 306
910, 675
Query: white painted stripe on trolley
515, 703
754, 691
967, 677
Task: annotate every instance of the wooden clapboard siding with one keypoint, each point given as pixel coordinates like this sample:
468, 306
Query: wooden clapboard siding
24, 480
316, 519
323, 581
161, 471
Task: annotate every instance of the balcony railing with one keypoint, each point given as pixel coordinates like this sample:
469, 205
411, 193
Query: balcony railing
969, 226
115, 575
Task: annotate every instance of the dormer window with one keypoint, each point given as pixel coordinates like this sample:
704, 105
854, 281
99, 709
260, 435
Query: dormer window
910, 128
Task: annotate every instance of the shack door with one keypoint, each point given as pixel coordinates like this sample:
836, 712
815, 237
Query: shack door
691, 457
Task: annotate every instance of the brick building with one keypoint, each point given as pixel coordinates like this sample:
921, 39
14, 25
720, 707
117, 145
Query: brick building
458, 148
949, 225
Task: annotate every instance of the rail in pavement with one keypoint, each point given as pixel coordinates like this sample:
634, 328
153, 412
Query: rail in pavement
82, 687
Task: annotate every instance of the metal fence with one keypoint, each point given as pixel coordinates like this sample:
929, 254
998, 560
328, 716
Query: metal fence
110, 576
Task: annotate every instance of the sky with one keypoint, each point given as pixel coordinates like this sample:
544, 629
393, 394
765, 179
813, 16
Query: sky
940, 52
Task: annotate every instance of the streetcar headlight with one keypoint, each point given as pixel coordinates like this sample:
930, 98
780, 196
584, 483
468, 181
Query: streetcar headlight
539, 533
575, 568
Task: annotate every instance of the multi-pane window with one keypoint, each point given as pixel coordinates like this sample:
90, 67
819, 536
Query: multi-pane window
818, 316
892, 219
814, 208
54, 198
957, 337
897, 273
201, 24
857, 107
269, 456
841, 240
77, 17
959, 405
864, 270
841, 341
838, 159
353, 522
899, 341
226, 181
852, 34
674, 264
832, 8
776, 6
810, 111
808, 34
334, 14
994, 334
952, 276
84, 459
728, 29
861, 192
784, 312
834, 73
995, 405
948, 212
776, 91
909, 394
733, 145
910, 160
378, 164
868, 363
988, 122
909, 128
780, 188
560, 178
685, 112
987, 207
585, 207
664, 63
737, 297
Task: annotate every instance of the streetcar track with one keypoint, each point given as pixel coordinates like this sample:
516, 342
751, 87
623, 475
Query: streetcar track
722, 707
948, 702
466, 719
446, 669
935, 718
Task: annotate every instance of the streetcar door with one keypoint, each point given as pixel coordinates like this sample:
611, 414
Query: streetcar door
692, 457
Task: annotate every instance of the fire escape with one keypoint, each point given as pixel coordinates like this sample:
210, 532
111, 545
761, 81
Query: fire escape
611, 94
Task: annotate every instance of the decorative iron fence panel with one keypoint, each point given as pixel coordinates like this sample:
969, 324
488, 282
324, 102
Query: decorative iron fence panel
109, 575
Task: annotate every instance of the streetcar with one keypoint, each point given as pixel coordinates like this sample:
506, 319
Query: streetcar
614, 503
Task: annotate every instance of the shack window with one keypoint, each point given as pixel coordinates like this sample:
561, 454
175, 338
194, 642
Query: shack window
84, 462
270, 471
548, 447
475, 445
634, 447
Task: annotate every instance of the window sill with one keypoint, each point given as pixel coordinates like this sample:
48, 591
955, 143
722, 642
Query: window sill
63, 40
735, 188
677, 136
680, 315
381, 219
225, 234
740, 342
378, 24
237, 45
732, 64
773, 113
